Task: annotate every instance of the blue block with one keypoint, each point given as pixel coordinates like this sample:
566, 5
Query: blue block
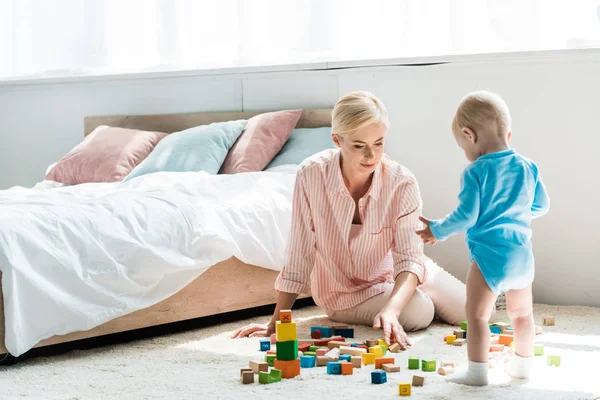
326, 331
334, 368
307, 361
495, 329
355, 344
345, 357
265, 344
345, 332
378, 376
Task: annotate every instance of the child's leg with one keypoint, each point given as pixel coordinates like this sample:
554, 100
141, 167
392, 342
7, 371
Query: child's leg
519, 307
480, 300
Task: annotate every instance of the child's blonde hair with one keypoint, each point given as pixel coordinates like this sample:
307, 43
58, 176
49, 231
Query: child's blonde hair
482, 111
356, 110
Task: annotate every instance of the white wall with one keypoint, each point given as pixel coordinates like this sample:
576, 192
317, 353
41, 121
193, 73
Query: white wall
554, 103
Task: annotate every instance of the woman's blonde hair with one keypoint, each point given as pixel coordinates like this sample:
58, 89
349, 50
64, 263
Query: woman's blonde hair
483, 111
356, 110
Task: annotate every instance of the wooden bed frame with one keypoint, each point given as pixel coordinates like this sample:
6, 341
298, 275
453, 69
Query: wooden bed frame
230, 285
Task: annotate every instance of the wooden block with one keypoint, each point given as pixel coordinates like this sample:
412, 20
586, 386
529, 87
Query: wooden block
264, 377
371, 343
287, 350
394, 348
418, 380
377, 350
309, 342
247, 377
450, 339
270, 359
448, 364
506, 339
413, 363
273, 338
347, 368
289, 368
539, 330
316, 334
324, 342
345, 357
321, 352
554, 361
463, 326
333, 353
548, 320
497, 347
378, 377
460, 342
368, 358
334, 343
495, 329
379, 361
285, 316
304, 347
325, 331
390, 368
258, 366
460, 334
308, 362
265, 344
428, 365
309, 353
445, 370
355, 351
404, 389
334, 368
285, 332
538, 350
322, 361
380, 342
356, 361
495, 340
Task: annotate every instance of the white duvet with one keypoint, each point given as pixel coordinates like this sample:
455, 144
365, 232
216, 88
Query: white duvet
74, 257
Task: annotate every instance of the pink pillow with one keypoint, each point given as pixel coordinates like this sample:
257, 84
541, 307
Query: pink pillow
106, 155
264, 136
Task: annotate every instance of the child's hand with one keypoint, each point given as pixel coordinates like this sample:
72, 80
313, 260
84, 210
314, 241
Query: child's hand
426, 234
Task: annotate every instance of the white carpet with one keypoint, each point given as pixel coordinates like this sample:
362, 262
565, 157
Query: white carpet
205, 364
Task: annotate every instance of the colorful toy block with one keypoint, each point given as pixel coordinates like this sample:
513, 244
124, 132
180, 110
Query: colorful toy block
428, 365
273, 338
347, 368
445, 370
394, 348
418, 380
554, 361
345, 357
344, 332
495, 329
356, 361
285, 332
413, 363
380, 342
497, 347
309, 353
378, 377
539, 330
334, 368
390, 368
247, 377
371, 343
271, 351
309, 342
316, 334
269, 377
321, 351
463, 326
379, 361
322, 361
289, 369
404, 389
377, 350
326, 331
384, 348
450, 339
459, 342
265, 344
355, 351
270, 359
333, 353
287, 350
548, 320
258, 366
508, 331
308, 361
368, 358
506, 339
336, 343
460, 334
285, 316
275, 374
538, 350
448, 364
304, 347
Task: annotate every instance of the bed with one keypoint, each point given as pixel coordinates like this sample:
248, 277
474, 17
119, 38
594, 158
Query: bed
228, 285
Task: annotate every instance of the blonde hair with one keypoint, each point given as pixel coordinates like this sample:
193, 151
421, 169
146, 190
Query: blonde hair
482, 111
356, 110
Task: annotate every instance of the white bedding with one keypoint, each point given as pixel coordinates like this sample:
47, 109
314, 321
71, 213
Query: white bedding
74, 257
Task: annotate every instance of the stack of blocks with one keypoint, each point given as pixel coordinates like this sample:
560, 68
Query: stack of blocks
287, 347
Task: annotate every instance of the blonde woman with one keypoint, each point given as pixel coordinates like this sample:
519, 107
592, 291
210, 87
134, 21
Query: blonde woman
354, 217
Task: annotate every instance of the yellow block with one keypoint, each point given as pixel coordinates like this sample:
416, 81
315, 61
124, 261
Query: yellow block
285, 332
404, 389
368, 358
378, 351
450, 339
380, 342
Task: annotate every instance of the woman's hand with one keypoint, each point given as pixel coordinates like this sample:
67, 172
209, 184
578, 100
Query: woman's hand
254, 330
426, 233
392, 330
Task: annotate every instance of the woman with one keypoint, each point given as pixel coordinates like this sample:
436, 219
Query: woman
355, 214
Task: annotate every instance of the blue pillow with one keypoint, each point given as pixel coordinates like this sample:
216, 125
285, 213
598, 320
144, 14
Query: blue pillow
202, 148
303, 143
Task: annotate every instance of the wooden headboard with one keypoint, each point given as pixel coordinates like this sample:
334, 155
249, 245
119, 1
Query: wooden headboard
170, 123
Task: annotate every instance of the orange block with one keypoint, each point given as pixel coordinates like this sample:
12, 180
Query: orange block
506, 340
271, 351
379, 361
285, 316
347, 368
289, 369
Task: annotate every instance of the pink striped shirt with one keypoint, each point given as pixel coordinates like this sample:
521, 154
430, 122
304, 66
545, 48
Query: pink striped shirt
345, 272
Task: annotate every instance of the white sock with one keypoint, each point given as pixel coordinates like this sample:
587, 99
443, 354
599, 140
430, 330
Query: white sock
475, 375
519, 367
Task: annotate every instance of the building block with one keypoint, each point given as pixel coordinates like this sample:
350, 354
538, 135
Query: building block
333, 353
264, 377
508, 331
428, 365
275, 374
554, 361
377, 350
413, 363
309, 342
315, 348
495, 329
506, 339
308, 361
459, 342
309, 353
448, 364
271, 351
285, 316
344, 332
390, 368
450, 339
322, 351
334, 368
258, 366
316, 334
404, 389
326, 331
285, 332
247, 377
538, 350
289, 369
384, 348
347, 368
378, 377
265, 344
368, 358
539, 330
418, 380
356, 361
548, 320
270, 359
394, 348
445, 370
361, 346
345, 357
304, 347
463, 326
336, 343
497, 347
380, 342
379, 361
273, 338
495, 339
287, 350
460, 334
371, 343
355, 351
322, 361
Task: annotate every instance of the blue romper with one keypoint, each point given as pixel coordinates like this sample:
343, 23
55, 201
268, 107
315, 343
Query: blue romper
500, 194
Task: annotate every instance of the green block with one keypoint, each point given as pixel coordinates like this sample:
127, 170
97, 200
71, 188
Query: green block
538, 350
413, 363
315, 348
310, 353
428, 365
264, 377
554, 360
287, 351
463, 325
270, 359
384, 347
275, 375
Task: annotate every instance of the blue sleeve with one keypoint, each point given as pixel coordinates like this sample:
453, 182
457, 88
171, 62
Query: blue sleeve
467, 212
541, 201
